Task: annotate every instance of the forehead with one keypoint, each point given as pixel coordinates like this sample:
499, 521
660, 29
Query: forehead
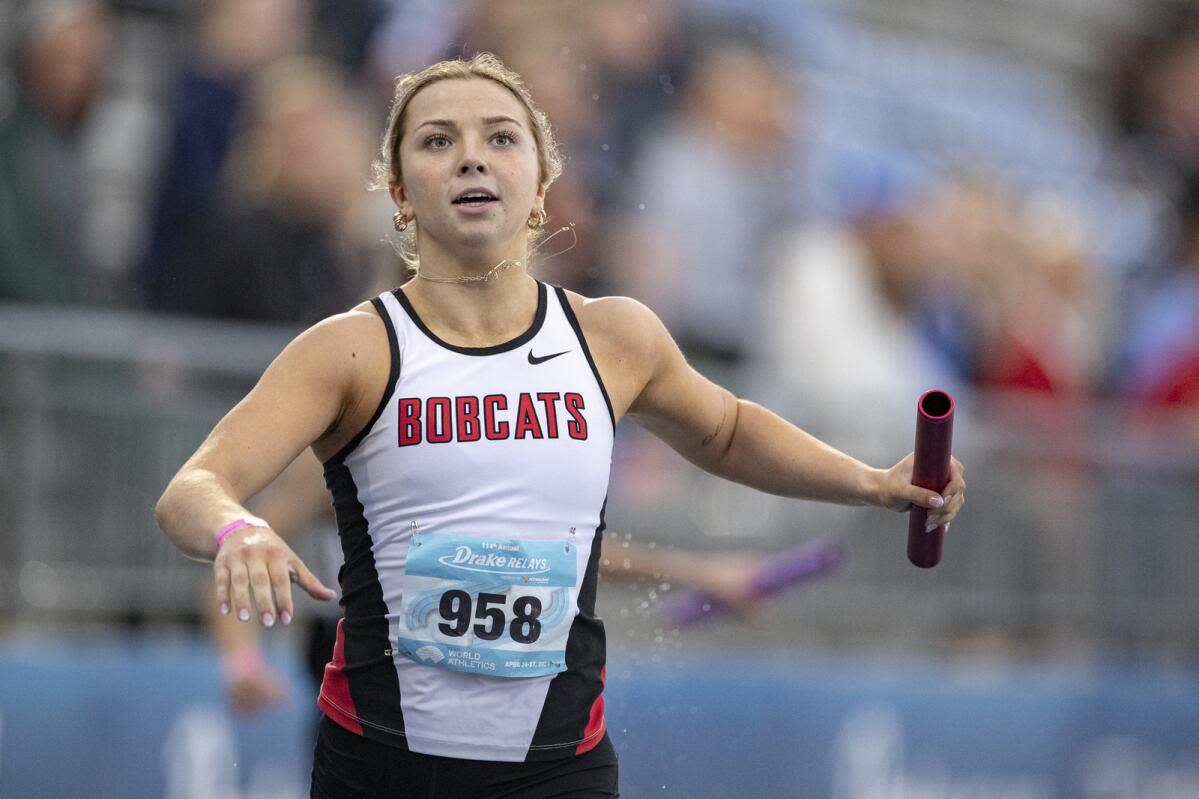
463, 100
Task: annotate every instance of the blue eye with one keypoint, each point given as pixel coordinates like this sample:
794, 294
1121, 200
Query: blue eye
504, 138
437, 141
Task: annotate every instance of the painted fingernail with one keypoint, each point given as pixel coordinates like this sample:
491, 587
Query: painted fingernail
243, 614
930, 526
285, 617
936, 502
224, 609
268, 620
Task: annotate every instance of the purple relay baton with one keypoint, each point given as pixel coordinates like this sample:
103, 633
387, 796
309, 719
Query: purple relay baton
930, 469
791, 567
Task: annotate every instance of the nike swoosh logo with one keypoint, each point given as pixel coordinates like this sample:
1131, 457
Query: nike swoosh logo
534, 359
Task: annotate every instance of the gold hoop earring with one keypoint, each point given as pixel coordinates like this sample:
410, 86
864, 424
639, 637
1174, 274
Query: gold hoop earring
399, 222
539, 221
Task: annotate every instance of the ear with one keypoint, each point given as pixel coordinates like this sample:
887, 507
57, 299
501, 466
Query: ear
399, 198
539, 197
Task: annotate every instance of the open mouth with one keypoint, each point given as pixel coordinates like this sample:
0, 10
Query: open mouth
475, 198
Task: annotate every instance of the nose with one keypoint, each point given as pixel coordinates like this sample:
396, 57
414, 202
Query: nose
471, 164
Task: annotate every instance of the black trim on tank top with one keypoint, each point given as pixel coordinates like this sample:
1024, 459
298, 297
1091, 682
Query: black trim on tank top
369, 671
574, 323
392, 378
571, 694
495, 349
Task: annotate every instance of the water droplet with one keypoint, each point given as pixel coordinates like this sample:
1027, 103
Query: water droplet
604, 147
707, 606
664, 586
595, 97
641, 206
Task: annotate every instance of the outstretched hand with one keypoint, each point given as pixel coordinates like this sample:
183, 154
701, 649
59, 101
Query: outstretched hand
254, 570
250, 693
897, 492
728, 576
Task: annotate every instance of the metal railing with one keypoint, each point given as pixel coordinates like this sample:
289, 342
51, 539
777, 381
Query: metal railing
1079, 535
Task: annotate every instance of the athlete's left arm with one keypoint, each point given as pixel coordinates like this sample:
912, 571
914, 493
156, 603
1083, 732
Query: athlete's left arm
744, 442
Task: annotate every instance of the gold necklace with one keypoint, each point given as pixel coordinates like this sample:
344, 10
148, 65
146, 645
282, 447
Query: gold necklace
506, 264
483, 278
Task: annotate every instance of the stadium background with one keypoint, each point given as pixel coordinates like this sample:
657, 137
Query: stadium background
834, 204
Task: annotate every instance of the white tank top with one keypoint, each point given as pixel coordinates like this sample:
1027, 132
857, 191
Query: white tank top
470, 511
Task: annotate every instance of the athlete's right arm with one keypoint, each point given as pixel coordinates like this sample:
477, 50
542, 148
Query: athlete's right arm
306, 397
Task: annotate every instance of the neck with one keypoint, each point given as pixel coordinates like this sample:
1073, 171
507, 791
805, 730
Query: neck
478, 313
439, 264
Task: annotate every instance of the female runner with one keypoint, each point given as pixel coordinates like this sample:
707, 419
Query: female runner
465, 422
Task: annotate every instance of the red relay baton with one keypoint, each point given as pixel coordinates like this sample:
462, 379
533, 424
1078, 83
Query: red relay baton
934, 439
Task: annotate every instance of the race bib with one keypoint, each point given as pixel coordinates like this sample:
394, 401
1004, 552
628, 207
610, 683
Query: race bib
488, 605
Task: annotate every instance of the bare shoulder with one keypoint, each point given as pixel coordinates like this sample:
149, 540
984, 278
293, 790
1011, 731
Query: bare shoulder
358, 330
344, 360
628, 341
620, 324
341, 355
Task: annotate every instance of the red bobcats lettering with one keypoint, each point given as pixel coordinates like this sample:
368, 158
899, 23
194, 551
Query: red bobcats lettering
526, 419
577, 427
439, 427
409, 422
437, 420
492, 404
548, 398
468, 418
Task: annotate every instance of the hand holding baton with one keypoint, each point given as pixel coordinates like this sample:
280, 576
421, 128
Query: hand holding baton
930, 469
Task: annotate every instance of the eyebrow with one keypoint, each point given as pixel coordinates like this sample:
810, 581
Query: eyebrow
447, 123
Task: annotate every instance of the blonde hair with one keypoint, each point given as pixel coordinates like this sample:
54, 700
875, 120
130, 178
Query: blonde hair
386, 169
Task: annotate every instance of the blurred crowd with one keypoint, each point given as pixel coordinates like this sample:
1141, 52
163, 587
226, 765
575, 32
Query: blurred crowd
210, 158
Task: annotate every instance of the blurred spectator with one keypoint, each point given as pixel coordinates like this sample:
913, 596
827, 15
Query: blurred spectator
296, 236
1161, 359
412, 36
61, 50
234, 40
1157, 99
637, 61
343, 29
844, 337
711, 189
1032, 306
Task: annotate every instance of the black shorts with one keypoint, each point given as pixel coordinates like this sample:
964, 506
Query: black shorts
349, 766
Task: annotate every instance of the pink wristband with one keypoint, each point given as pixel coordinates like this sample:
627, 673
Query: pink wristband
235, 525
244, 662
